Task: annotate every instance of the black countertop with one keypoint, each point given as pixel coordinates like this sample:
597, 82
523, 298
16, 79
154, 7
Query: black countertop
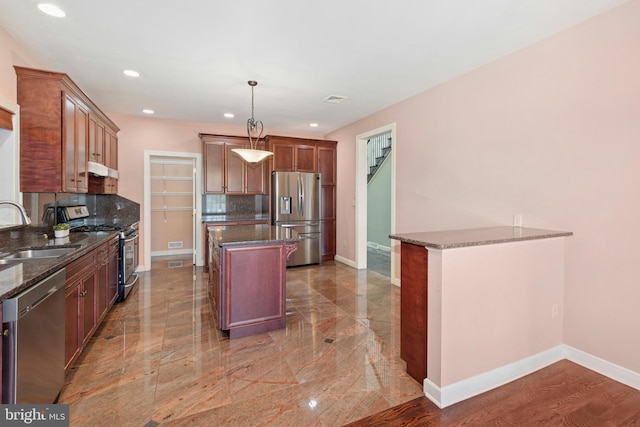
252, 235
15, 276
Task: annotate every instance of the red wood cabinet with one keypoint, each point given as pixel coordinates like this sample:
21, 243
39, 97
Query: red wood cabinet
205, 233
91, 289
309, 155
247, 290
80, 308
413, 309
56, 124
225, 172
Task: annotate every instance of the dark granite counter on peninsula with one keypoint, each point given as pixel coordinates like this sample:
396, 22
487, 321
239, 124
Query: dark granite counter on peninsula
450, 239
15, 276
247, 277
479, 307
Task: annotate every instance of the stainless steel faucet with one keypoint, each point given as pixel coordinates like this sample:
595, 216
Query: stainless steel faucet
25, 219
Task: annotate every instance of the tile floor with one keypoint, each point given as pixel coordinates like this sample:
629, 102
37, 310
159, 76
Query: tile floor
379, 261
159, 360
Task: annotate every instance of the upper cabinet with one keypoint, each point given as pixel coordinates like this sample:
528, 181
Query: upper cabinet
61, 130
225, 172
293, 154
310, 155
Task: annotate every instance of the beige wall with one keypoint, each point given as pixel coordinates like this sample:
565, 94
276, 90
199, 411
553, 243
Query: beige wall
551, 132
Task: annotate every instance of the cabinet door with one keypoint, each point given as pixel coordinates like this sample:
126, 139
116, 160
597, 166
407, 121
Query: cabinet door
284, 157
328, 239
235, 168
256, 182
88, 298
71, 322
110, 149
327, 164
102, 282
69, 144
82, 124
112, 273
306, 158
214, 167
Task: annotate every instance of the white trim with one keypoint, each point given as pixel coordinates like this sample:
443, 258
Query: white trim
346, 261
478, 384
172, 252
603, 367
147, 203
378, 246
14, 139
361, 193
481, 383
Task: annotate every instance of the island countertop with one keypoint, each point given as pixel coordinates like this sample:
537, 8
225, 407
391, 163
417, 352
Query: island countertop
252, 234
450, 239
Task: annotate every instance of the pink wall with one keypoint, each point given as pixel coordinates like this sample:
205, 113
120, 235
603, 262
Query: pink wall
551, 132
12, 53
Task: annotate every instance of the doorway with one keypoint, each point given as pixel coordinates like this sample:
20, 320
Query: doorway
172, 205
362, 197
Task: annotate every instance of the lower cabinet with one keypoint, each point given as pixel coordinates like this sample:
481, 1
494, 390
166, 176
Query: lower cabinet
91, 289
205, 233
247, 288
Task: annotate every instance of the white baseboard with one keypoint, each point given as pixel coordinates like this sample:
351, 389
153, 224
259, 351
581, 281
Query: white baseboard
378, 246
172, 252
345, 261
478, 384
603, 367
475, 385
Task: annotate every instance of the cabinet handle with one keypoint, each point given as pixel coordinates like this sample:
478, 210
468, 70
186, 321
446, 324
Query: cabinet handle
84, 293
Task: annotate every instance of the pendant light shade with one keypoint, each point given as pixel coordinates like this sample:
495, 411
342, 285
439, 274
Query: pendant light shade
254, 130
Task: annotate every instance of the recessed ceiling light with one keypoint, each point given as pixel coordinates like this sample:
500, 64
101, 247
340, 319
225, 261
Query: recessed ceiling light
131, 73
229, 115
313, 125
148, 111
52, 10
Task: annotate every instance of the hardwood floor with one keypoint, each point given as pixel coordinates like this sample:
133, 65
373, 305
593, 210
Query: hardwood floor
563, 394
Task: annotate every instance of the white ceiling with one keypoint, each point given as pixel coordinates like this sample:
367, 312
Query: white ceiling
195, 56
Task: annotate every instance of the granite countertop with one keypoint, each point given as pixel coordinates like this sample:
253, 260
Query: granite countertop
233, 218
15, 276
252, 235
450, 239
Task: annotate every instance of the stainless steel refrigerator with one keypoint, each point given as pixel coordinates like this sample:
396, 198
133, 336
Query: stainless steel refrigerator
295, 203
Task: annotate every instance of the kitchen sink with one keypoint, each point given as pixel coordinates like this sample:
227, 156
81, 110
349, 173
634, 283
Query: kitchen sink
26, 254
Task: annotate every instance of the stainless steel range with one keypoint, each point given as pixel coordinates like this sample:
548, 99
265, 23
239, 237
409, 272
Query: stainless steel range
78, 218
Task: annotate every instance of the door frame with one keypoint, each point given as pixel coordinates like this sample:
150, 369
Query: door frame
197, 217
361, 197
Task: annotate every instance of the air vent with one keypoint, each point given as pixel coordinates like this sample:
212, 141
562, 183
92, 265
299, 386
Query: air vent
174, 264
175, 245
335, 99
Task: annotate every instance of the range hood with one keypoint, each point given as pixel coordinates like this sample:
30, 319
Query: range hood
101, 171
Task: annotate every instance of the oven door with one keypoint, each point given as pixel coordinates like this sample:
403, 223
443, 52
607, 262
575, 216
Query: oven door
128, 264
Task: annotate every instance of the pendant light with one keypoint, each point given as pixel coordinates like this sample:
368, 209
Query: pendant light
254, 130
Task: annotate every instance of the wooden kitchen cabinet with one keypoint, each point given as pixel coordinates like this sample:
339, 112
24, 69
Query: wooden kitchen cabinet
107, 277
318, 156
103, 149
80, 306
247, 287
56, 121
205, 231
293, 154
225, 172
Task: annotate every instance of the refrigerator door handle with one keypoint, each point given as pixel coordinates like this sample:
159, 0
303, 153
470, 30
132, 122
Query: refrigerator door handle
300, 197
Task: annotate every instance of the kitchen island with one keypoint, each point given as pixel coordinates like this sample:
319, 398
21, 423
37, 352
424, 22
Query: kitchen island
247, 277
479, 307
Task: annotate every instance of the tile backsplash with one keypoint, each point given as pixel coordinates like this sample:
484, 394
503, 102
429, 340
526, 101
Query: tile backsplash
222, 204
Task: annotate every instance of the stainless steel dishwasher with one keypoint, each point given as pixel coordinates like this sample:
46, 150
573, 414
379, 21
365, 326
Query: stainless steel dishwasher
33, 343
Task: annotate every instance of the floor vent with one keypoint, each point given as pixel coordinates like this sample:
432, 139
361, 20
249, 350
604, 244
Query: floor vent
174, 264
175, 245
